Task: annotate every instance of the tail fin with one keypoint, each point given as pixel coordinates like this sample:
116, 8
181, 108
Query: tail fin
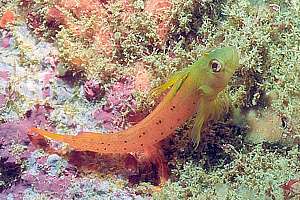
54, 136
95, 142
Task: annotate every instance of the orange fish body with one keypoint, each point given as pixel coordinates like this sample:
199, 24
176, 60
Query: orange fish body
193, 90
155, 127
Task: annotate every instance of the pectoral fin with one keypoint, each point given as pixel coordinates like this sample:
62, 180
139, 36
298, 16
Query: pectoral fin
202, 116
196, 131
208, 110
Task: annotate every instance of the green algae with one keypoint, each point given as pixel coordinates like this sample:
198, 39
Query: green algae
255, 175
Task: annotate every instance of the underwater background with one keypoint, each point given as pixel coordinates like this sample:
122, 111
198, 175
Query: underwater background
76, 65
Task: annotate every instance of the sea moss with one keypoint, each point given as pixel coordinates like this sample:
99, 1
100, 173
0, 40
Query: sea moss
255, 175
270, 71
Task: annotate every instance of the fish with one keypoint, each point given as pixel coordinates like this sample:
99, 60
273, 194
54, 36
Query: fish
195, 90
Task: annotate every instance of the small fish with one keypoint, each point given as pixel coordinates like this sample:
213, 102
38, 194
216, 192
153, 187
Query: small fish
195, 89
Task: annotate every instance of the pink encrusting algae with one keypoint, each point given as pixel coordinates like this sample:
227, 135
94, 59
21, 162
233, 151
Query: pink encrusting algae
119, 100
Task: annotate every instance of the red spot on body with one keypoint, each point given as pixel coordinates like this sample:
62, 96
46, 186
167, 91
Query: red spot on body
8, 17
288, 185
291, 188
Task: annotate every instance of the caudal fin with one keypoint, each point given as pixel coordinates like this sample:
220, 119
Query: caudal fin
54, 136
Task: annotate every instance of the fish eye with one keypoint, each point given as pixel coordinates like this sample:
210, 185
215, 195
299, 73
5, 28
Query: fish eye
215, 65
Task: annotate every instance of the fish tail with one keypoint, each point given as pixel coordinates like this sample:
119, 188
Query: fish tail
88, 141
47, 134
